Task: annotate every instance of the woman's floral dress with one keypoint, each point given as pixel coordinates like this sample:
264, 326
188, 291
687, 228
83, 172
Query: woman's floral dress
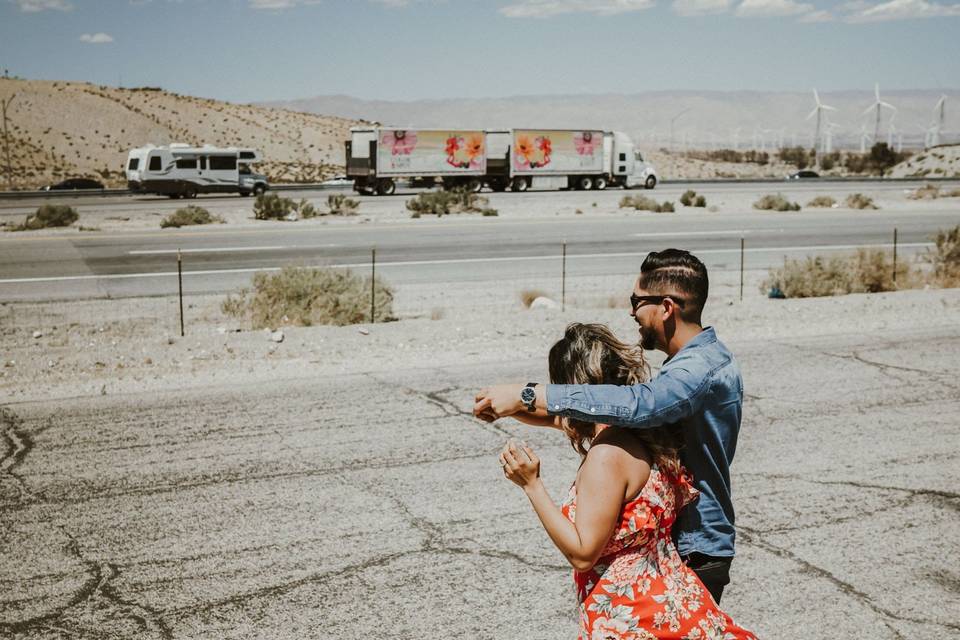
640, 588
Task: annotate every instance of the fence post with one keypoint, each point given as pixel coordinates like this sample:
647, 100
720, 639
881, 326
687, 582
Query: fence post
894, 255
373, 284
180, 288
741, 269
563, 280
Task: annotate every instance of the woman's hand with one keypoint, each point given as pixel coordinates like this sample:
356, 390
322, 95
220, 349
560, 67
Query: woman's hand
520, 465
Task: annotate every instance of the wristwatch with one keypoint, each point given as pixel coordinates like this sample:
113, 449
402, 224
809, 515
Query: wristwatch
528, 396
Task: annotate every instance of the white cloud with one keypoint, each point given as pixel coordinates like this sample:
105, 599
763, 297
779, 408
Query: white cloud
35, 6
700, 7
280, 4
548, 8
902, 10
817, 16
96, 38
772, 8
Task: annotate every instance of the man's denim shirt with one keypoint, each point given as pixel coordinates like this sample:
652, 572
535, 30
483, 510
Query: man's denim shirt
699, 389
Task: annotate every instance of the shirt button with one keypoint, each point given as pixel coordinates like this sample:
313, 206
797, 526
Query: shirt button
556, 407
593, 409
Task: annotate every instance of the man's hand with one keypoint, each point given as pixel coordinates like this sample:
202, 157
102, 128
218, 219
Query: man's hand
498, 401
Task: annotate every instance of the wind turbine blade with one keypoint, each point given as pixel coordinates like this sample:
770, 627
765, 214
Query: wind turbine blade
876, 91
888, 105
828, 107
868, 110
816, 97
812, 113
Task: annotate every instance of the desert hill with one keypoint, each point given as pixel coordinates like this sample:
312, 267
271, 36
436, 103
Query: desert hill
66, 129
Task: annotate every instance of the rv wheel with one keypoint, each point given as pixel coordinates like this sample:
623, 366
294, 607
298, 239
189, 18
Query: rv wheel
600, 183
258, 189
651, 182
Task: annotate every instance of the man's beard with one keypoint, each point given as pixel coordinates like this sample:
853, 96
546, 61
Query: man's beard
648, 341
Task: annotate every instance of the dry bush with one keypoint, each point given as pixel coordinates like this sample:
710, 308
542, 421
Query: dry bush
271, 206
189, 215
308, 296
944, 258
822, 201
48, 215
446, 202
867, 271
643, 203
927, 191
775, 203
687, 198
341, 205
700, 201
859, 201
527, 296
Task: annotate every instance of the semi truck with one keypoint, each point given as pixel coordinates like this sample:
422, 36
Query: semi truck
515, 159
183, 171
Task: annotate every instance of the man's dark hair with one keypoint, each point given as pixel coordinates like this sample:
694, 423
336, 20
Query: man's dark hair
678, 272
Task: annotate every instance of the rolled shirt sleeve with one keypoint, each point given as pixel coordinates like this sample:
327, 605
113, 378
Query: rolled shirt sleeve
676, 393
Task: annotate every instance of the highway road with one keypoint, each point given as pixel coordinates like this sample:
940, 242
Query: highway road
449, 250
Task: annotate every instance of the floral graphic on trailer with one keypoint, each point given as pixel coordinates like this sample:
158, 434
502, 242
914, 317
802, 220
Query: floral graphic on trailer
532, 153
400, 142
465, 152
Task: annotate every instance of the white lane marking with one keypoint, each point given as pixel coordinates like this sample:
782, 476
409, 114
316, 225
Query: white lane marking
156, 252
682, 234
408, 263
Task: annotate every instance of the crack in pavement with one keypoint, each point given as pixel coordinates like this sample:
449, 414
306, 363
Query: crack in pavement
755, 538
903, 502
97, 589
19, 445
947, 495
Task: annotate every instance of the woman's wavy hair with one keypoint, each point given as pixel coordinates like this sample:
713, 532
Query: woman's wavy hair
592, 354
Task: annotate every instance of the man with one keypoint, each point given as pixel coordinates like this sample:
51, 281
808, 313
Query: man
699, 390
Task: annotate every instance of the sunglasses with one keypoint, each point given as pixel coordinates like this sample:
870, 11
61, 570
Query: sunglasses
636, 301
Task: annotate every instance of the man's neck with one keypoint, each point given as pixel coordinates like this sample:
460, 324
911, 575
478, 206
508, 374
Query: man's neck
684, 334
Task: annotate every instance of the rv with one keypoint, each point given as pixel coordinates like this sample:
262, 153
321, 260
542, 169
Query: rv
183, 171
517, 159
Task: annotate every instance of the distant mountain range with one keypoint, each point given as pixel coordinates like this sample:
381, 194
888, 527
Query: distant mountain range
698, 119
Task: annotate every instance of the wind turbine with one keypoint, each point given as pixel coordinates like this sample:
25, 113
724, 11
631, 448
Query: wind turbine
938, 117
878, 105
828, 135
818, 111
864, 136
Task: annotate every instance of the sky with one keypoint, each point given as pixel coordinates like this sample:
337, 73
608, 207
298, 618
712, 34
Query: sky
260, 50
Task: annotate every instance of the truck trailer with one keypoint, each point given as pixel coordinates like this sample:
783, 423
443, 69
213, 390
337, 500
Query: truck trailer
517, 159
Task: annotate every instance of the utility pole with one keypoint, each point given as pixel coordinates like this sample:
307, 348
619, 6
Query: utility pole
6, 140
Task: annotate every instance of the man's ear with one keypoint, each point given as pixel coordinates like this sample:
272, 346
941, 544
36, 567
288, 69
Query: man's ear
670, 310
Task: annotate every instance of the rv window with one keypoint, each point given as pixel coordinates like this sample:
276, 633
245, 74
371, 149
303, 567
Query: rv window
134, 163
245, 170
186, 163
247, 155
223, 163
155, 163
203, 162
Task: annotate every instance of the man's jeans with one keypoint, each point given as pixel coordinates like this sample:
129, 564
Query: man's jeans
713, 572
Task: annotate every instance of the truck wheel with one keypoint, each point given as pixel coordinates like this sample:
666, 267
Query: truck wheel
519, 185
650, 183
474, 185
386, 187
584, 183
600, 183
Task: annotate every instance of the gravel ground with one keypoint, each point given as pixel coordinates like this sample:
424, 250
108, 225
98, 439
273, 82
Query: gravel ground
334, 485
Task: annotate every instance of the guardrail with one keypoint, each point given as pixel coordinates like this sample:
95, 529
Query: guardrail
102, 193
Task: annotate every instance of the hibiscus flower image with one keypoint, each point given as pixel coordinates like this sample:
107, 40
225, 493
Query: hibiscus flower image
584, 143
545, 145
453, 145
401, 142
522, 151
474, 150
613, 629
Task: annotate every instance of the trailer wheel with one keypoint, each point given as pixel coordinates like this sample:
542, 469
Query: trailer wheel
474, 185
584, 183
600, 183
386, 187
650, 183
519, 185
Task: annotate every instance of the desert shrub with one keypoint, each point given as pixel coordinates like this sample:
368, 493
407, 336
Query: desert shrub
308, 296
930, 191
272, 206
859, 201
446, 202
489, 213
643, 203
48, 215
822, 201
700, 201
775, 203
687, 198
828, 161
729, 155
189, 215
527, 296
944, 257
341, 205
867, 271
798, 156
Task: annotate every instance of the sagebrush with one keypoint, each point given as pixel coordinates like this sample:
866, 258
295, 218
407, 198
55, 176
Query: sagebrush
867, 271
775, 203
341, 205
822, 201
440, 203
47, 216
859, 201
272, 206
310, 296
944, 257
643, 203
189, 215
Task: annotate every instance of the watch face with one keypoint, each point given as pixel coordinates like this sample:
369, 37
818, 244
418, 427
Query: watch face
528, 395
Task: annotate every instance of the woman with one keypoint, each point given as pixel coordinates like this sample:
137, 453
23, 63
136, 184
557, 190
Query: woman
614, 526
